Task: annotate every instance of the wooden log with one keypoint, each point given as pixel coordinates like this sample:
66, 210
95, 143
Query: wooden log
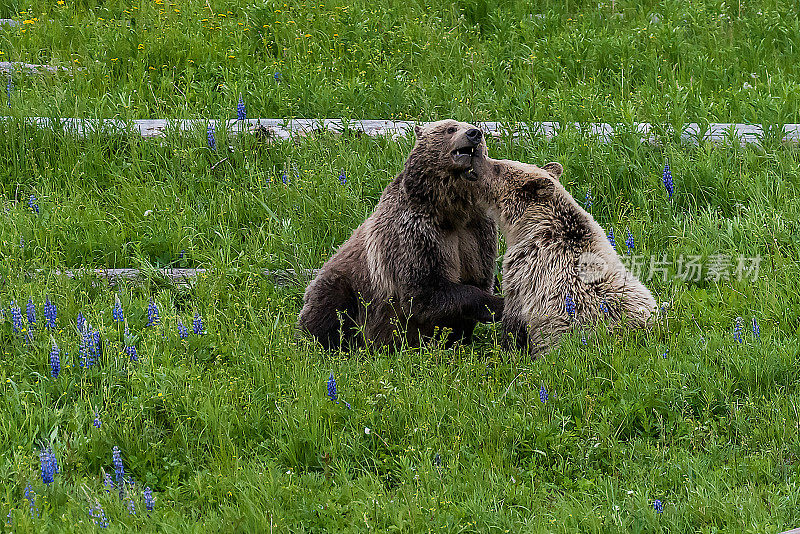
286, 128
180, 277
33, 68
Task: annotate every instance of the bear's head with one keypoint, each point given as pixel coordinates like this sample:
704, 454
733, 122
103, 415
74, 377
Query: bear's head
447, 147
516, 188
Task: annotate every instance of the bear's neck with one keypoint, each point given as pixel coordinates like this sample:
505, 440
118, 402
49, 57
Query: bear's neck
447, 198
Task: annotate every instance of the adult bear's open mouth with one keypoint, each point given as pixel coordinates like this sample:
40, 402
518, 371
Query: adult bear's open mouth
462, 156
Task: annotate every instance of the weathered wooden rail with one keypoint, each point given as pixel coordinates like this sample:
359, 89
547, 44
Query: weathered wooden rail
180, 277
286, 128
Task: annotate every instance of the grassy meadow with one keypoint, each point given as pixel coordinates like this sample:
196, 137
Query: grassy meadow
692, 427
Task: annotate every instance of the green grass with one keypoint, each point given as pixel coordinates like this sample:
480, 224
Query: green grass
233, 429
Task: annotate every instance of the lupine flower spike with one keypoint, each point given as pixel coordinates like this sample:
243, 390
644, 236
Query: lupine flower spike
131, 507
9, 89
611, 238
81, 321
277, 76
32, 204
212, 141
589, 198
49, 465
116, 312
197, 324
543, 396
119, 470
629, 242
49, 313
182, 331
737, 330
152, 314
667, 179
657, 506
30, 495
756, 329
332, 388
97, 423
149, 502
241, 112
55, 362
16, 317
98, 515
332, 394
342, 177
107, 482
31, 311
569, 305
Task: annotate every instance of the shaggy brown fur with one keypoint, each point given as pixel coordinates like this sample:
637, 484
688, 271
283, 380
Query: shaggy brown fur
423, 259
555, 249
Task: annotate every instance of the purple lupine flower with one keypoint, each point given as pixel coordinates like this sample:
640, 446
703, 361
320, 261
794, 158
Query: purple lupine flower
588, 202
543, 396
119, 470
107, 482
98, 515
212, 141
81, 321
32, 204
737, 330
611, 238
55, 362
131, 507
241, 112
284, 177
9, 89
667, 179
342, 177
50, 312
30, 309
149, 502
97, 423
756, 329
332, 388
629, 242
604, 307
97, 345
130, 350
277, 76
30, 495
116, 311
569, 305
658, 506
152, 314
46, 466
197, 324
16, 317
182, 331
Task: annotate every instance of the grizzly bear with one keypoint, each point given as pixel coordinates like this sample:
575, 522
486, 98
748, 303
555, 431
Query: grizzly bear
424, 260
559, 269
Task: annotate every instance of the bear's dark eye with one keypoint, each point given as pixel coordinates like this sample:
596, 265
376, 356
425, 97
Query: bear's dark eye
451, 130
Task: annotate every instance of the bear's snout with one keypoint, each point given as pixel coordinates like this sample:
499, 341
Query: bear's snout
474, 135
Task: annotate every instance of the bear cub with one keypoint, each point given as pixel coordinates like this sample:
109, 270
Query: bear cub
559, 269
424, 260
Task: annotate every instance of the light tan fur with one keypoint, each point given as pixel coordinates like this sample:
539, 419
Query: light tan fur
555, 249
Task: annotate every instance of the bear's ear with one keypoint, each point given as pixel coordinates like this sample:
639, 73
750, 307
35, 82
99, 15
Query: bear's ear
537, 189
417, 130
555, 169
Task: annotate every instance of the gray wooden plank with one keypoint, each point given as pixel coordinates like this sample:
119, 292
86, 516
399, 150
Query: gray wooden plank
286, 128
178, 276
